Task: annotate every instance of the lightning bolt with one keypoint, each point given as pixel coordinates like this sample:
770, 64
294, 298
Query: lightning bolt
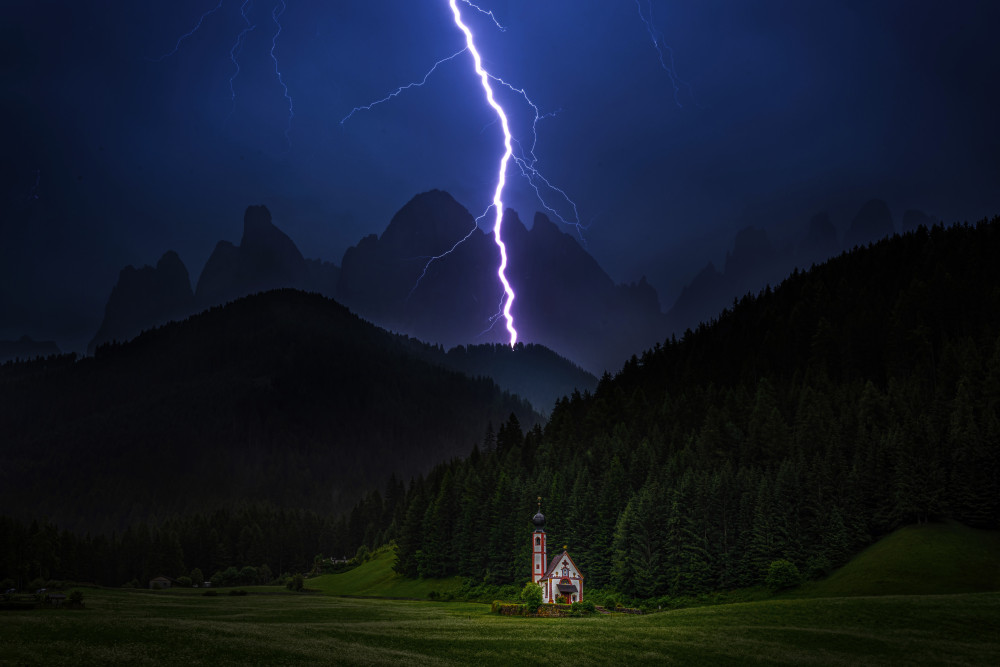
484, 77
192, 31
237, 50
551, 197
395, 93
493, 18
275, 15
525, 159
431, 260
666, 60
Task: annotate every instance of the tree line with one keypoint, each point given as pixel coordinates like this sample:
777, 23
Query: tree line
802, 424
238, 544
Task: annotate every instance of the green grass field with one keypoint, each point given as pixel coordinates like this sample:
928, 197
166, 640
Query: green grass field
376, 578
164, 628
837, 622
927, 559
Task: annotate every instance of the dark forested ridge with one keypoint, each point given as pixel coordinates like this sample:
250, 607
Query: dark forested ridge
533, 372
283, 397
803, 423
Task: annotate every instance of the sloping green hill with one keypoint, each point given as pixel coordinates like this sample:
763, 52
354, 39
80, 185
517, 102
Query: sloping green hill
376, 578
919, 559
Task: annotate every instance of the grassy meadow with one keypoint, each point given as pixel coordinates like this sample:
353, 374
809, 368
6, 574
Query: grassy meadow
147, 628
927, 559
376, 578
856, 616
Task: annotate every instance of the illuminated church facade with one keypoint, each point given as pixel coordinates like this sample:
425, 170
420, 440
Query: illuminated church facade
558, 577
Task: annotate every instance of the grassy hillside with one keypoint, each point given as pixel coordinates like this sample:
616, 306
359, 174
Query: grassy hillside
919, 559
925, 559
141, 627
376, 578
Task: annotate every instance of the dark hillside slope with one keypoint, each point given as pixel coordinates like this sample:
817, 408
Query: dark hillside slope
885, 311
283, 397
533, 372
803, 424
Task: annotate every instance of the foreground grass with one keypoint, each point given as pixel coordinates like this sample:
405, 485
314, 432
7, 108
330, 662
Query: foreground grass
140, 627
376, 578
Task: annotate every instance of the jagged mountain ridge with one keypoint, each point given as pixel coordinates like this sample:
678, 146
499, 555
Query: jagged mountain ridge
145, 298
267, 258
564, 299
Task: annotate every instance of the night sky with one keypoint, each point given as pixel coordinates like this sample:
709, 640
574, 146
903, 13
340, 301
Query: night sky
112, 153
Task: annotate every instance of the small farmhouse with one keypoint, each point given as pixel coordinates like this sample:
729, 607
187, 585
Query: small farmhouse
160, 582
560, 577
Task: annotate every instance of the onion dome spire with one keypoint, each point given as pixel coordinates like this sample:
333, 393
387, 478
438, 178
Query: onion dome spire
539, 519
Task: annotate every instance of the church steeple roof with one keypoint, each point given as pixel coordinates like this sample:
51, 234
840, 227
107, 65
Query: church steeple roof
539, 519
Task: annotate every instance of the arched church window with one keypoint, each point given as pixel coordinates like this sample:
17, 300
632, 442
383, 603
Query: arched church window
538, 541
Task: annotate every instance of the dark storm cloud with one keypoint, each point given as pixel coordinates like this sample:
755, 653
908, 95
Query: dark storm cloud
793, 107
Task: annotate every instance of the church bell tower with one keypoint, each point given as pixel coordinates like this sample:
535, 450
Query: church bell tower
538, 545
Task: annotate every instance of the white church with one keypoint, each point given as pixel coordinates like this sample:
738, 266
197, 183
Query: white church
561, 576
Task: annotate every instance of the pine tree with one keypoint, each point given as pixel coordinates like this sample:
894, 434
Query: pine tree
767, 434
411, 533
436, 552
623, 567
687, 570
973, 496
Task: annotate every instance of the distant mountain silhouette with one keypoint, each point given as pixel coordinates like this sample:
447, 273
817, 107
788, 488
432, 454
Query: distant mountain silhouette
378, 275
755, 262
323, 276
820, 242
701, 299
265, 259
25, 348
564, 301
145, 298
752, 263
268, 258
872, 222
